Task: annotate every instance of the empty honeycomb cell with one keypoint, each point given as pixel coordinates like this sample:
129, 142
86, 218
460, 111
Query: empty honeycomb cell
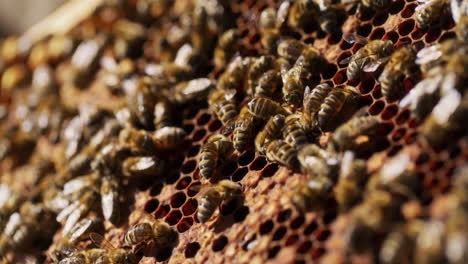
258, 164
322, 234
270, 170
389, 112
239, 174
151, 205
376, 107
396, 6
417, 33
240, 214
345, 45
219, 243
304, 247
392, 35
279, 233
377, 33
284, 215
376, 92
380, 19
173, 217
266, 227
364, 30
297, 222
189, 207
228, 167
447, 35
422, 158
191, 113
193, 189
340, 77
246, 158
402, 117
156, 189
214, 125
408, 11
385, 128
189, 166
178, 199
366, 14
406, 27
191, 249
394, 150
366, 86
398, 134
272, 252
317, 252
198, 134
193, 151
311, 227
183, 183
334, 38
162, 211
432, 35
356, 47
413, 123
184, 224
329, 71
291, 240
203, 119
410, 138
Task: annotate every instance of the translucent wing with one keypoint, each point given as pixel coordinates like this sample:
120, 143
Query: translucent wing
282, 13
100, 241
230, 94
345, 60
446, 106
428, 54
455, 8
355, 38
373, 66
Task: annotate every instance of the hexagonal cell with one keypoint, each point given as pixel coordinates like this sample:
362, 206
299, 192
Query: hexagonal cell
189, 166
291, 240
396, 7
329, 71
266, 227
316, 253
272, 252
417, 33
239, 174
366, 86
203, 119
188, 128
389, 112
376, 92
258, 164
270, 170
240, 214
184, 224
398, 134
304, 247
279, 233
151, 205
246, 158
432, 35
162, 211
191, 249
173, 217
406, 27
344, 45
377, 33
364, 30
214, 125
447, 35
183, 183
156, 189
194, 150
380, 19
178, 199
408, 11
193, 189
311, 227
402, 117
284, 215
392, 35
340, 77
219, 243
297, 222
199, 134
189, 207
376, 107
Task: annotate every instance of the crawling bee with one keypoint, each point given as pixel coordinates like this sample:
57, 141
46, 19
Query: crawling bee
311, 59
235, 74
141, 102
158, 232
315, 161
142, 166
216, 147
293, 133
243, 129
268, 83
333, 103
290, 49
256, 69
368, 58
192, 90
345, 134
137, 140
429, 12
271, 131
281, 152
264, 108
226, 47
312, 195
313, 99
302, 12
293, 88
169, 137
269, 31
399, 66
224, 105
223, 191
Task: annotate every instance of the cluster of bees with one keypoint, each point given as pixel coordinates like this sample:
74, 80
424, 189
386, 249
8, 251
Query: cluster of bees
270, 103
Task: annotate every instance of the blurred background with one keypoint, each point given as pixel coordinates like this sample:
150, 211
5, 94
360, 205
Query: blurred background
16, 16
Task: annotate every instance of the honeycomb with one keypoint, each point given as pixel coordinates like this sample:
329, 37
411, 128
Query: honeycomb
265, 227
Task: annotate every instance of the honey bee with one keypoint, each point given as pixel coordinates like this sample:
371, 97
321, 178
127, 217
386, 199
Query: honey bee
368, 58
353, 175
193, 90
235, 74
312, 195
226, 47
110, 198
258, 67
293, 88
310, 59
315, 161
429, 12
109, 159
281, 152
302, 12
399, 244
224, 105
459, 11
169, 137
216, 147
399, 66
141, 102
293, 133
243, 128
344, 135
313, 99
142, 166
264, 108
85, 59
456, 242
430, 243
73, 212
328, 20
137, 140
290, 49
158, 232
223, 191
269, 32
267, 19
268, 83
162, 114
59, 46
271, 131
333, 103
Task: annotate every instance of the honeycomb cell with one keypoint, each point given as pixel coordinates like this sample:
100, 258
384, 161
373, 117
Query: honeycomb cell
219, 243
246, 158
279, 233
190, 207
291, 240
270, 170
343, 56
272, 252
340, 77
304, 247
447, 35
408, 11
329, 216
364, 30
367, 86
297, 222
178, 199
266, 227
239, 174
188, 128
316, 253
162, 211
199, 134
406, 27
183, 183
376, 92
173, 217
240, 214
258, 164
193, 151
344, 45
214, 125
228, 168
284, 215
392, 35
156, 189
151, 205
310, 228
193, 189
396, 7
189, 166
398, 134
432, 35
329, 71
377, 33
402, 117
203, 119
380, 19
191, 249
389, 112
184, 224
376, 107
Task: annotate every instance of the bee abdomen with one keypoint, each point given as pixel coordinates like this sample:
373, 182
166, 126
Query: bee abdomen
138, 233
208, 205
208, 159
227, 112
330, 106
241, 136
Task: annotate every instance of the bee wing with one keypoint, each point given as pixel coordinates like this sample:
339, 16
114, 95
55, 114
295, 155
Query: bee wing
229, 94
373, 66
345, 60
346, 163
446, 106
428, 54
100, 241
307, 93
355, 38
282, 14
455, 8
